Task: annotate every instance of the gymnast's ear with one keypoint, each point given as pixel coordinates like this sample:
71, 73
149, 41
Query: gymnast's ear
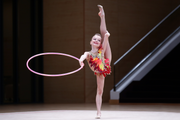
90, 42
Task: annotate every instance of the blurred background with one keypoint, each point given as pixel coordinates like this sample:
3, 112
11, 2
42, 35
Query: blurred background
29, 27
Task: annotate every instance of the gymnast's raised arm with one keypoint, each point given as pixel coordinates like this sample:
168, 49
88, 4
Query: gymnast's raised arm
105, 41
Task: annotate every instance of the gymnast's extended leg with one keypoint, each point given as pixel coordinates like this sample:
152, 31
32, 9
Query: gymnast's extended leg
103, 31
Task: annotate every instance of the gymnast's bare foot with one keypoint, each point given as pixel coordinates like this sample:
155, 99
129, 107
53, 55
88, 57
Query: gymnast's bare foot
101, 11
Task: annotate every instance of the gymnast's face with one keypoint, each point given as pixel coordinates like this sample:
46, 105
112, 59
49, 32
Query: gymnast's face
96, 41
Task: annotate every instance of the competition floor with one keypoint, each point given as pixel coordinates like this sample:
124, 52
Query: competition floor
88, 112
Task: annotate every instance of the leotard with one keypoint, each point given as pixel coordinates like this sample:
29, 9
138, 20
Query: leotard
98, 64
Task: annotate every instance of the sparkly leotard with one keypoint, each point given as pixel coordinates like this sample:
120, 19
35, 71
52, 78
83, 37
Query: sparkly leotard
99, 64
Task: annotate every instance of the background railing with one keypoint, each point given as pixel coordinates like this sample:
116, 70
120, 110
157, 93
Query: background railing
146, 45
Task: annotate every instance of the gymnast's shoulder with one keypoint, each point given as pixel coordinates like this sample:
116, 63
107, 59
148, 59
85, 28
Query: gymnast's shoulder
86, 54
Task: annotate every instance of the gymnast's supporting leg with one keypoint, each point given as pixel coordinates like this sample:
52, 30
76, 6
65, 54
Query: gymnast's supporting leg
100, 87
103, 31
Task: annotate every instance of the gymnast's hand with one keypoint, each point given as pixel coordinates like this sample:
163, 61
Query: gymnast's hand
81, 63
107, 34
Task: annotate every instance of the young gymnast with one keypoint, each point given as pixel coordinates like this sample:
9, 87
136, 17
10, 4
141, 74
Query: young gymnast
99, 58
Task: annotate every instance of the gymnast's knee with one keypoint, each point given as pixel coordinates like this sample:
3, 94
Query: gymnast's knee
99, 92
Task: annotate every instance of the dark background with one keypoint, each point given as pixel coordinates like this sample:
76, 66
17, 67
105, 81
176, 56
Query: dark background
28, 27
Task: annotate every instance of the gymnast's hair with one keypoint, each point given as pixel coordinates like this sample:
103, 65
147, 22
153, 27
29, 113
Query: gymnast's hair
98, 34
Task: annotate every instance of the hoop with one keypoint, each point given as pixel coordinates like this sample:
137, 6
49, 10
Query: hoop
52, 75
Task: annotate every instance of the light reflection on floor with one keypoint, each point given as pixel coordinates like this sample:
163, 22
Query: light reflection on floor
88, 112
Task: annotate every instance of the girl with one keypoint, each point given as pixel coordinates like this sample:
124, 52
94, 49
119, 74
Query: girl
99, 58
